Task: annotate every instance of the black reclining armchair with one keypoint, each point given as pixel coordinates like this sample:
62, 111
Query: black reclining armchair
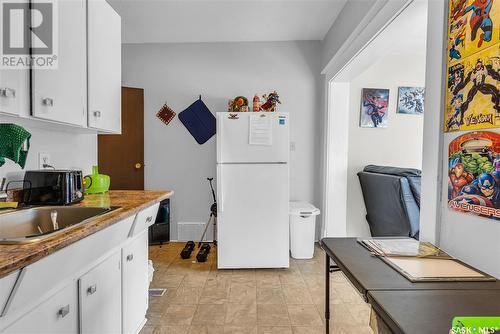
392, 200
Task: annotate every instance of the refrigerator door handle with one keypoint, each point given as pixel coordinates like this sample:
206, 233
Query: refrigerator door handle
219, 137
220, 189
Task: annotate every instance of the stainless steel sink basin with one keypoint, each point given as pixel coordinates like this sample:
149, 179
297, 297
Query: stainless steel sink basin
36, 223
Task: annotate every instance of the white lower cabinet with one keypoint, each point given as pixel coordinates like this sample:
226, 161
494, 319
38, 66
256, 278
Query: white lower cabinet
58, 314
96, 285
135, 283
99, 293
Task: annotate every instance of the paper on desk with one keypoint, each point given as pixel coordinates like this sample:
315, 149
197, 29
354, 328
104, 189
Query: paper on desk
261, 130
433, 268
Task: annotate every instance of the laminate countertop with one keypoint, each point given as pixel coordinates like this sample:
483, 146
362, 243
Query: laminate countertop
17, 256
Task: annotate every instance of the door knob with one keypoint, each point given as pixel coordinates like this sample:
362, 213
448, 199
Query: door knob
138, 165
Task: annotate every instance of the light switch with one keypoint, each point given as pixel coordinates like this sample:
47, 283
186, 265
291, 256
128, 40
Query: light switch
292, 146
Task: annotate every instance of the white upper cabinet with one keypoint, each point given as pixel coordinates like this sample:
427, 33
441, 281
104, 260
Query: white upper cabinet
61, 94
104, 67
14, 88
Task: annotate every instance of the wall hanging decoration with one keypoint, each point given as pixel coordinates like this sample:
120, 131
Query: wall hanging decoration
474, 174
473, 69
271, 100
199, 121
411, 100
166, 114
374, 104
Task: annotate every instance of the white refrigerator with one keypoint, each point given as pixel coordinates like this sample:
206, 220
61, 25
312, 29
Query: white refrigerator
252, 190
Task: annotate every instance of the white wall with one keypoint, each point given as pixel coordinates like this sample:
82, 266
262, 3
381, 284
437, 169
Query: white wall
473, 239
67, 149
358, 22
400, 144
178, 73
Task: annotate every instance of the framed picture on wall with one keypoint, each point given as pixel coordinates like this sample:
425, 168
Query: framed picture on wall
374, 104
411, 100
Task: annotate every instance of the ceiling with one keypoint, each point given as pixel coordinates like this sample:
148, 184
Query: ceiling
181, 21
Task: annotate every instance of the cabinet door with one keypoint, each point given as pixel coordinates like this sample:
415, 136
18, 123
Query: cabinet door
56, 315
100, 297
61, 94
14, 96
135, 283
104, 67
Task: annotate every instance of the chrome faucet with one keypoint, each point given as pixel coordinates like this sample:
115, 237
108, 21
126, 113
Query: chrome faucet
53, 218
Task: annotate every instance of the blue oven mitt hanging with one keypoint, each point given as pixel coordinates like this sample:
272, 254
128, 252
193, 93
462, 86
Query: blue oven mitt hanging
14, 143
199, 121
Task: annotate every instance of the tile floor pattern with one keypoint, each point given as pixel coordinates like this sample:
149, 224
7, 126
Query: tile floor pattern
203, 300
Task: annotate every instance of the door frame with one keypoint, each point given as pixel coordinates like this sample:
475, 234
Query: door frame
334, 223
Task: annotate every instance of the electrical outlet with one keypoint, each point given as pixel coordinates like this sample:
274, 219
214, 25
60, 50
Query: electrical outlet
43, 160
292, 146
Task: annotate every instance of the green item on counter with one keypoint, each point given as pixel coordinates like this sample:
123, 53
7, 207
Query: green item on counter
96, 183
14, 143
8, 205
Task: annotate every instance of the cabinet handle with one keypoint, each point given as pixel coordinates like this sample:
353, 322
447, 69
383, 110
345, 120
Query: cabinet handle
48, 102
97, 113
130, 257
8, 92
63, 311
91, 289
149, 219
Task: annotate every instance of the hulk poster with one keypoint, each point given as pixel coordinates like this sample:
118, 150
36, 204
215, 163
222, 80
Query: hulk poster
474, 174
472, 99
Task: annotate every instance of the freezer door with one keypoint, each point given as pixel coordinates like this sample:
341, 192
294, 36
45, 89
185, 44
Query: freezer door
233, 138
253, 216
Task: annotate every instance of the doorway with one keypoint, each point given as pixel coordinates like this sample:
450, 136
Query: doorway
390, 62
122, 156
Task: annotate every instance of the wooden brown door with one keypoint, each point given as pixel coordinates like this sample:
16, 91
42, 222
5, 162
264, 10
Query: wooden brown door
122, 156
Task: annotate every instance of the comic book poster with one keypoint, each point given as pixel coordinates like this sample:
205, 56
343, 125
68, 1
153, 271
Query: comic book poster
411, 100
474, 174
374, 104
472, 92
474, 25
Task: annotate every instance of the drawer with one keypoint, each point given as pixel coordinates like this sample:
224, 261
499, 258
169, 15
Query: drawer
64, 264
58, 314
144, 219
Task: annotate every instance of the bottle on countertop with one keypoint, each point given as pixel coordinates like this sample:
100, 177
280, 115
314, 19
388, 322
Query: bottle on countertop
256, 103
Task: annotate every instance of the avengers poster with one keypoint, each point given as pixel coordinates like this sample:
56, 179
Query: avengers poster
474, 174
473, 71
374, 104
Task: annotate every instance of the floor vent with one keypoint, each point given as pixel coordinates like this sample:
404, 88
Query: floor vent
157, 292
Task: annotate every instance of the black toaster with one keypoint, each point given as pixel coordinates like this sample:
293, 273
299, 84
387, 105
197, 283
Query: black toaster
53, 187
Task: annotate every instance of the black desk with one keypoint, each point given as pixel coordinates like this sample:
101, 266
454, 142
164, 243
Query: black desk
426, 311
369, 273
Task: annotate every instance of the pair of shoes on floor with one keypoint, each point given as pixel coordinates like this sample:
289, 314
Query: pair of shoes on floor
202, 254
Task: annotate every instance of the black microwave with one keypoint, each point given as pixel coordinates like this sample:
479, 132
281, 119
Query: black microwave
53, 187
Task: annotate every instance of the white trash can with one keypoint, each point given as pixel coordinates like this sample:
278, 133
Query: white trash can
302, 229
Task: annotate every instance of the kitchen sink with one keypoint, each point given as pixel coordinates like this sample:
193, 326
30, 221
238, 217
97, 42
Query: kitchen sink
37, 223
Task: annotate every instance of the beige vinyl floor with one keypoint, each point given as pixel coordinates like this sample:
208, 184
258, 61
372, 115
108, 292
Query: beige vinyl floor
204, 300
